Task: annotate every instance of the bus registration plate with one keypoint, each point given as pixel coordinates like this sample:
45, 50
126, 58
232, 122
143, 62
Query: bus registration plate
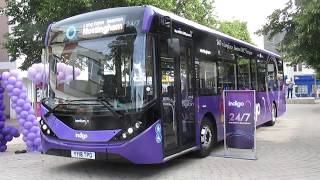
83, 155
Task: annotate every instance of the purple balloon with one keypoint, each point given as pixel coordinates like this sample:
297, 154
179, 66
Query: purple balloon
25, 132
23, 95
29, 142
31, 136
18, 110
38, 77
31, 117
9, 87
8, 137
21, 121
1, 137
13, 105
26, 107
60, 76
21, 102
19, 84
3, 148
5, 75
37, 141
16, 91
27, 125
35, 129
2, 118
6, 130
2, 107
1, 124
15, 133
24, 114
35, 123
69, 78
14, 98
1, 90
32, 71
12, 80
31, 111
24, 138
14, 72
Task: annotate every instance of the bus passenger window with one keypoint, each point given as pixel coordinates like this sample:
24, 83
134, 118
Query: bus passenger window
227, 79
208, 78
253, 71
271, 78
280, 73
261, 74
244, 73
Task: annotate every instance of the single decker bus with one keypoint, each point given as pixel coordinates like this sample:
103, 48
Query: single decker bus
144, 85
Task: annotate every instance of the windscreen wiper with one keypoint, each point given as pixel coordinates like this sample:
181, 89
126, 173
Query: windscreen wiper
50, 111
105, 102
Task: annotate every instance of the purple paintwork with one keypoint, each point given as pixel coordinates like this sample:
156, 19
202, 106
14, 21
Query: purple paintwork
147, 19
142, 149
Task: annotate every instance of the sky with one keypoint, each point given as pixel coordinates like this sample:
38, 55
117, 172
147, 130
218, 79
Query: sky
254, 12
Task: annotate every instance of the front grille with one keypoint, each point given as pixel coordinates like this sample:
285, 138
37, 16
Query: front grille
91, 123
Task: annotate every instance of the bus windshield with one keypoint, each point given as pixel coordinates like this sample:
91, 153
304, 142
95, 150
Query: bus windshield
117, 69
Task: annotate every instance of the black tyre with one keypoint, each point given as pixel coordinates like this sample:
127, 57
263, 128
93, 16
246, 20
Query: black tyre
207, 138
273, 116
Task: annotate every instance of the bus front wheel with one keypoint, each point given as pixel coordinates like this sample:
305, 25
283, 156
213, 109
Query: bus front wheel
273, 116
207, 137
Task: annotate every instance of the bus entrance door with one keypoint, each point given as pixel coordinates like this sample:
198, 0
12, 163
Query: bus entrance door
177, 84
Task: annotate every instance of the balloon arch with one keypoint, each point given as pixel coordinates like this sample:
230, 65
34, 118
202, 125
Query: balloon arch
12, 82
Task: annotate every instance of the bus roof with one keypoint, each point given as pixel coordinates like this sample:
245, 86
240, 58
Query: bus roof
195, 25
149, 12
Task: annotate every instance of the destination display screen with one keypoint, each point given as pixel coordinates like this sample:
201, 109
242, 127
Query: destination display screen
98, 24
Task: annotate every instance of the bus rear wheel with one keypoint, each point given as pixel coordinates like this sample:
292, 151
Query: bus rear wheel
207, 137
273, 116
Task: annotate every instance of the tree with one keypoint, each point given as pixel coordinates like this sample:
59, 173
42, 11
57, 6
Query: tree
301, 23
30, 19
236, 29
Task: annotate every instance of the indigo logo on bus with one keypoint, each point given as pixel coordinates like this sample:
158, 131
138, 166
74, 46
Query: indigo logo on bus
236, 104
158, 133
81, 135
71, 32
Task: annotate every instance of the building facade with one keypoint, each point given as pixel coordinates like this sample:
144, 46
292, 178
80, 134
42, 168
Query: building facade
4, 57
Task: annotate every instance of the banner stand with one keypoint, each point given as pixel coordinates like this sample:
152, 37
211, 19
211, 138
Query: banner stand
240, 124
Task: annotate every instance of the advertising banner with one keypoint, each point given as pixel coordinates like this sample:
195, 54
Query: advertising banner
240, 120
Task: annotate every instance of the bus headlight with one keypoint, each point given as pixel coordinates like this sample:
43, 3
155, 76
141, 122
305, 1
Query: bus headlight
129, 132
124, 135
45, 129
137, 124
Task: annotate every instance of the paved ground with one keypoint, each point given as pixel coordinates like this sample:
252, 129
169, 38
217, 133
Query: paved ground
289, 150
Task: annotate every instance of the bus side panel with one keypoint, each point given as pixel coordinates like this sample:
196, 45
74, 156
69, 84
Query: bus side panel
281, 103
212, 105
263, 101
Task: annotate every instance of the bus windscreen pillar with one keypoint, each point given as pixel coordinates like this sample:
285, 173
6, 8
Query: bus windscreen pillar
240, 124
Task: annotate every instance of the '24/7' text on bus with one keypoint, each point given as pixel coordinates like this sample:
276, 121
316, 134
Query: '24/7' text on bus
150, 87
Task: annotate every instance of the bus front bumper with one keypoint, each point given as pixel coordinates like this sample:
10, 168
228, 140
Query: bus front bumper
142, 149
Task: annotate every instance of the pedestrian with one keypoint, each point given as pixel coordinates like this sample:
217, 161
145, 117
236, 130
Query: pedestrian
290, 88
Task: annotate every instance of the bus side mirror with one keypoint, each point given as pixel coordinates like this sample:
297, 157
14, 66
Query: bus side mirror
174, 46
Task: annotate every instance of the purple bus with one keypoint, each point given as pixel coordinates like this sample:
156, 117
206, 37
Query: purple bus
150, 86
